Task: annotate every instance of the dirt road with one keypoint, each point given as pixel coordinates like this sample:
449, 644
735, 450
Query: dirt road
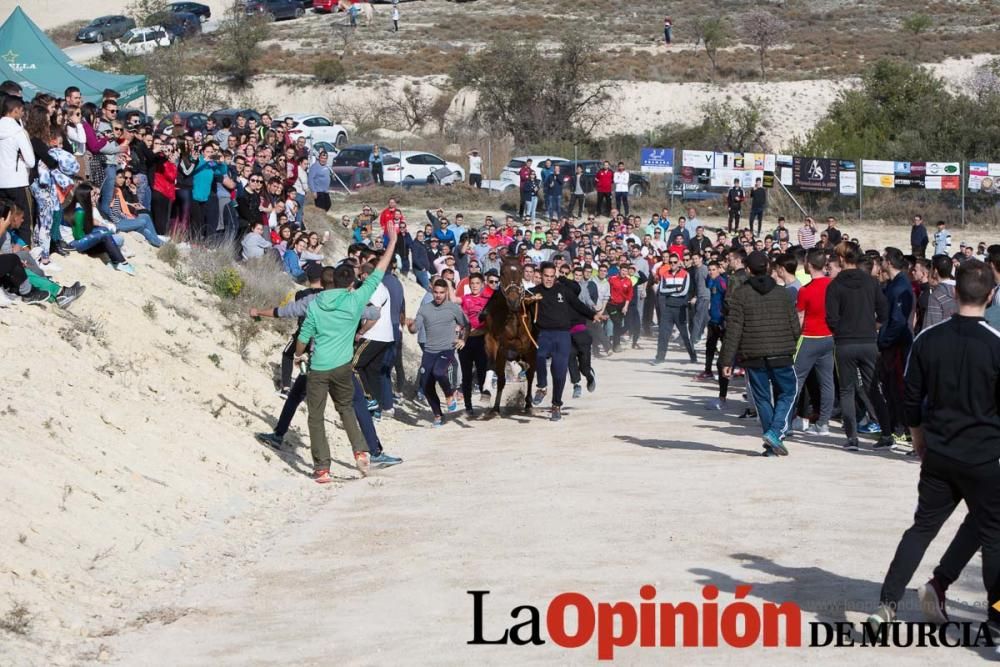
640, 484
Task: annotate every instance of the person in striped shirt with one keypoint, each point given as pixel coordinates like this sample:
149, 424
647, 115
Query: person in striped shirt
673, 294
807, 234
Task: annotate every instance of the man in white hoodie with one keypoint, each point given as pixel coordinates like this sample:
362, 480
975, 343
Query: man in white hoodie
621, 180
16, 156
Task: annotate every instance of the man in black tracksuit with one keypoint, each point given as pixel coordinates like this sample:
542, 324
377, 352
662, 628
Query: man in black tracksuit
554, 318
895, 338
581, 340
855, 305
952, 406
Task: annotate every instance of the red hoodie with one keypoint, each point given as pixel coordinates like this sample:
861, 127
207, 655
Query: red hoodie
604, 180
621, 289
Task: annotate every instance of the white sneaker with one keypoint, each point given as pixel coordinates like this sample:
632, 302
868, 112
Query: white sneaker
7, 299
818, 429
51, 267
800, 425
165, 239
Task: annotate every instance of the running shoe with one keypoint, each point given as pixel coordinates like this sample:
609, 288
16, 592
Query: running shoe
363, 462
68, 295
271, 440
851, 446
35, 296
769, 453
283, 392
884, 614
902, 448
775, 443
555, 413
933, 602
539, 397
372, 405
717, 404
870, 428
656, 362
577, 391
800, 425
592, 381
383, 460
377, 415
390, 413
125, 267
884, 442
818, 429
903, 439
438, 422
453, 405
749, 413
323, 476
704, 375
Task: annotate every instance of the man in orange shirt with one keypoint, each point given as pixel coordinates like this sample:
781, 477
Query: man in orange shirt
618, 304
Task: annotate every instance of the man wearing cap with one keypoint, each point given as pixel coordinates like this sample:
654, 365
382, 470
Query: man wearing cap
763, 328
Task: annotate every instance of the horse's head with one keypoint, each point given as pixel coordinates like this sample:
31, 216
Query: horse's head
512, 280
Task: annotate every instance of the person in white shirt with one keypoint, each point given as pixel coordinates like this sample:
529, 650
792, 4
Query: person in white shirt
395, 18
475, 169
621, 180
376, 337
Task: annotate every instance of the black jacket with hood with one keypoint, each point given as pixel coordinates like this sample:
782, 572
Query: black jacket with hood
762, 325
855, 305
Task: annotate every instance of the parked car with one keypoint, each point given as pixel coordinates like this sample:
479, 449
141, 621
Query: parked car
320, 146
192, 120
105, 28
355, 178
139, 41
414, 167
275, 10
219, 114
179, 25
638, 183
325, 6
510, 172
356, 155
203, 12
314, 128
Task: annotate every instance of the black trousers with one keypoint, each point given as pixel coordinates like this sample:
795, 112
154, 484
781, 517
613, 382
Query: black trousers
856, 370
288, 362
713, 340
476, 180
617, 324
621, 202
758, 215
603, 199
734, 219
12, 273
579, 356
892, 363
367, 365
473, 353
323, 201
598, 335
377, 174
577, 201
199, 218
944, 482
161, 213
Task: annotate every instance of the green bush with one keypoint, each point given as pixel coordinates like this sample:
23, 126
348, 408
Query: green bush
227, 283
330, 70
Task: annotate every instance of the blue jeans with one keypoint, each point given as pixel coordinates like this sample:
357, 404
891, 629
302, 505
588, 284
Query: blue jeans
100, 238
107, 191
385, 376
774, 417
554, 345
529, 208
423, 279
552, 205
300, 199
143, 224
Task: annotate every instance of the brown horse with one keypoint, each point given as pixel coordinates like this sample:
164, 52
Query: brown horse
508, 320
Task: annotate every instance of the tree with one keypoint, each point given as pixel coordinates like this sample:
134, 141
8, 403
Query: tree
147, 12
176, 85
713, 33
763, 29
238, 45
736, 128
534, 96
917, 24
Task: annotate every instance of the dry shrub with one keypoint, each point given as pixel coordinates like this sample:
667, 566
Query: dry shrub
64, 35
17, 620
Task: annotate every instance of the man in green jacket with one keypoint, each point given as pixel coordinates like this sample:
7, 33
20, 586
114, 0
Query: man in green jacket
763, 328
330, 324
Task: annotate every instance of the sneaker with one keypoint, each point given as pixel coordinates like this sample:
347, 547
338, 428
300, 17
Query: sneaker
902, 448
362, 461
163, 239
769, 453
383, 460
372, 405
271, 440
555, 413
870, 428
420, 396
636, 346
799, 425
656, 362
35, 296
377, 415
903, 439
438, 422
577, 391
933, 602
59, 247
818, 429
717, 404
283, 392
775, 443
322, 476
592, 381
453, 404
390, 413
851, 446
125, 267
749, 413
702, 376
884, 442
7, 299
68, 295
884, 614
539, 397
470, 413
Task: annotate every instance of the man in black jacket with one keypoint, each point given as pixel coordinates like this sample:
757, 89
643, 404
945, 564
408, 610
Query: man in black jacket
734, 202
953, 412
554, 314
248, 203
763, 328
855, 306
758, 202
894, 340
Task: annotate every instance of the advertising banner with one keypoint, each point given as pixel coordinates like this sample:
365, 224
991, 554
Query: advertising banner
984, 177
815, 174
657, 160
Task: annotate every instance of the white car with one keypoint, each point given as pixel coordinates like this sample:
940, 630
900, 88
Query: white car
509, 176
315, 128
138, 41
419, 167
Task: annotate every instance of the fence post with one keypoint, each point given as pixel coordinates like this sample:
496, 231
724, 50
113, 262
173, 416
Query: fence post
962, 183
861, 196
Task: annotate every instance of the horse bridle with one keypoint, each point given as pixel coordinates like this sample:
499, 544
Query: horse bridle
518, 288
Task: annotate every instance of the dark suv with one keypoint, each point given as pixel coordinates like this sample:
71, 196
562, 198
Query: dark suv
638, 183
356, 156
105, 29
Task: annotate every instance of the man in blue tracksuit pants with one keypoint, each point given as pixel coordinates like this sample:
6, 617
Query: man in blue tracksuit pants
554, 317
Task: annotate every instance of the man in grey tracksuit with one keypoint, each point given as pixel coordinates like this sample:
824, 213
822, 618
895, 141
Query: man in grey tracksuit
815, 350
698, 315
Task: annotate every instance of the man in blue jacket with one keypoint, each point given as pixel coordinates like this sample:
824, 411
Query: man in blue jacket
894, 340
553, 193
918, 237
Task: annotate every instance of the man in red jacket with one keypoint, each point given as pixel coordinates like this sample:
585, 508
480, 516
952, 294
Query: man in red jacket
524, 173
618, 303
388, 214
604, 183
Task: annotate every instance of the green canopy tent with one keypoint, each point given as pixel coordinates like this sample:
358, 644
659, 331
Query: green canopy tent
29, 58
